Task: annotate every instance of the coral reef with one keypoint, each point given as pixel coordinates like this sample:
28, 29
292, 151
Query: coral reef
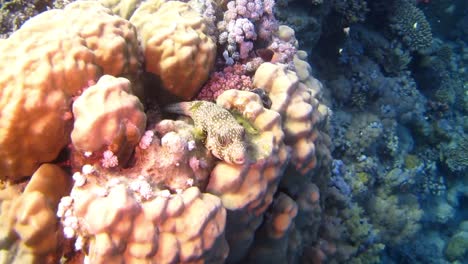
198, 131
181, 57
231, 77
275, 232
247, 190
108, 116
453, 154
242, 23
88, 101
364, 131
125, 8
127, 220
30, 231
14, 13
67, 61
392, 220
294, 100
353, 11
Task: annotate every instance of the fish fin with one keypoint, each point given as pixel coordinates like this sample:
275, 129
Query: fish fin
199, 134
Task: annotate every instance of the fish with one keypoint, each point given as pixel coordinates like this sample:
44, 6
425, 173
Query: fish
225, 138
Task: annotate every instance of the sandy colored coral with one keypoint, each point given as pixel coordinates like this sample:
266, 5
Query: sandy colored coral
272, 239
121, 219
30, 231
307, 222
247, 190
81, 43
300, 110
108, 115
176, 46
284, 210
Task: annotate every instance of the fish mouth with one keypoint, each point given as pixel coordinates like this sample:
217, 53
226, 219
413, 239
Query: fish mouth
239, 160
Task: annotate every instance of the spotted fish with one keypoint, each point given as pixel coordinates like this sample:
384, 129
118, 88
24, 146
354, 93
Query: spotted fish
225, 137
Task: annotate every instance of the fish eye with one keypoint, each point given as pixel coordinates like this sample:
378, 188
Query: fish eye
223, 140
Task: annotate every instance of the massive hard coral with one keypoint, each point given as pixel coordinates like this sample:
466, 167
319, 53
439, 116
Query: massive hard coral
174, 203
65, 50
128, 220
247, 190
108, 117
293, 95
272, 238
182, 53
30, 232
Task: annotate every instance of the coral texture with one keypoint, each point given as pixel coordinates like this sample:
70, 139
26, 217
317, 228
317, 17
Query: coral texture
108, 117
126, 220
28, 218
457, 245
228, 182
273, 235
123, 8
242, 23
294, 100
454, 153
182, 53
35, 106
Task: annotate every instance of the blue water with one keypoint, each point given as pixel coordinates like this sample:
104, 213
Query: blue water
382, 71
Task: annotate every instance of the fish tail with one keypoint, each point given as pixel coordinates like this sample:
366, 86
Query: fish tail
181, 108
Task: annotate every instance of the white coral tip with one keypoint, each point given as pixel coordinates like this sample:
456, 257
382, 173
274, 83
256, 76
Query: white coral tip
87, 169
